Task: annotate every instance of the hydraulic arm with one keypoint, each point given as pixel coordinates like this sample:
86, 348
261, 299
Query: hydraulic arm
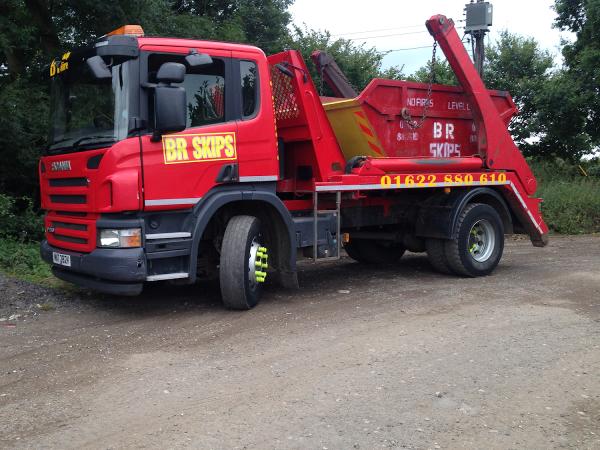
495, 143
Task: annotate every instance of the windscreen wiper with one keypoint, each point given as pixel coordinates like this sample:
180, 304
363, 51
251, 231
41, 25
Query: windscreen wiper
51, 147
75, 145
80, 141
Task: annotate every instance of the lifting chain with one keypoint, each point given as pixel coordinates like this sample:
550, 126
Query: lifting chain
415, 124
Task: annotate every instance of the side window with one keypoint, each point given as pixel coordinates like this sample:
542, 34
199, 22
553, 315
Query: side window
205, 91
249, 81
204, 88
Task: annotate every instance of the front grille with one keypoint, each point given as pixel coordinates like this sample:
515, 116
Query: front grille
71, 213
68, 199
71, 230
69, 226
68, 182
71, 239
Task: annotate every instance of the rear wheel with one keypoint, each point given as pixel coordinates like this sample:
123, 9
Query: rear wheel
479, 242
436, 255
370, 251
243, 263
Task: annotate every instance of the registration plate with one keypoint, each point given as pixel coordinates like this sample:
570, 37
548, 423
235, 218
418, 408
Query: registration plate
61, 259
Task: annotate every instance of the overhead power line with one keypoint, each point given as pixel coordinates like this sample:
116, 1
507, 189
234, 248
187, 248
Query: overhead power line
416, 48
385, 35
375, 30
406, 48
391, 35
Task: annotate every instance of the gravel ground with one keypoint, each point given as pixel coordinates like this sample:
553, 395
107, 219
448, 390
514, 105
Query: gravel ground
360, 358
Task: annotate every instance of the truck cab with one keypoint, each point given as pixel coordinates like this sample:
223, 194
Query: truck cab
122, 172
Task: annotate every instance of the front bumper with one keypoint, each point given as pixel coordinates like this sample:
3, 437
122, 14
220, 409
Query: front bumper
118, 271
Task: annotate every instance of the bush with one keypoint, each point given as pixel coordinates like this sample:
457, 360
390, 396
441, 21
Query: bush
21, 229
23, 260
19, 220
571, 200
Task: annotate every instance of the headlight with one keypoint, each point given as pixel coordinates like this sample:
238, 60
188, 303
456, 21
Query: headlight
124, 238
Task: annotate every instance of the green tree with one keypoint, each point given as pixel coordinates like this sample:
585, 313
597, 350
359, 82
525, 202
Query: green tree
443, 73
562, 120
582, 60
517, 64
359, 63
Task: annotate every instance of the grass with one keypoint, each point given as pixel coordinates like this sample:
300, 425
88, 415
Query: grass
22, 260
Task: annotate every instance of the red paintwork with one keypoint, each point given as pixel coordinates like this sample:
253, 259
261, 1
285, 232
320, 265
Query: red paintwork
308, 135
383, 102
114, 187
255, 138
386, 165
292, 110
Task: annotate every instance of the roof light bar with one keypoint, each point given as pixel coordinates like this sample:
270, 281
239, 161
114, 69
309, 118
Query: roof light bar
128, 30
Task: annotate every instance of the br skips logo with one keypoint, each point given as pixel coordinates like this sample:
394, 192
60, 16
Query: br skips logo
189, 148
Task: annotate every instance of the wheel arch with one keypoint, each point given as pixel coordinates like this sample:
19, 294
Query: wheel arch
439, 215
262, 204
490, 197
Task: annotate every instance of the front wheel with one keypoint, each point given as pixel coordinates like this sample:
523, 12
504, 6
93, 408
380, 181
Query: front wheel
479, 242
243, 263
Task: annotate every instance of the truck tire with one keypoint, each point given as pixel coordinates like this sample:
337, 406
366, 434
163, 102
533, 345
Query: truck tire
370, 251
436, 255
242, 250
479, 242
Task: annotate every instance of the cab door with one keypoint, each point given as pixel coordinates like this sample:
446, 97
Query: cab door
180, 168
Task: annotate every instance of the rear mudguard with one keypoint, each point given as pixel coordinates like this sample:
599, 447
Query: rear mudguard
438, 217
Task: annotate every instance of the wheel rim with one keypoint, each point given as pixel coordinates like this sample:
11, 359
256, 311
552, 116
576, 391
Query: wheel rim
257, 263
482, 240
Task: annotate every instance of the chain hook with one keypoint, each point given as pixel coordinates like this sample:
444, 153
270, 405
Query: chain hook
415, 124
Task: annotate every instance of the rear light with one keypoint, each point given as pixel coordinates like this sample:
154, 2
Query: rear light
120, 238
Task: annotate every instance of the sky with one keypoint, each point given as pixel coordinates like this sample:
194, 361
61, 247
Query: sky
400, 24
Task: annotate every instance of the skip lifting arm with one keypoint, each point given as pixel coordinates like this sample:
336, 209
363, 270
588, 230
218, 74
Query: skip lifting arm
495, 143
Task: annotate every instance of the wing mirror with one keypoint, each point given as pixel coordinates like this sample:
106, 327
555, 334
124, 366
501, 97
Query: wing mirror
98, 67
195, 59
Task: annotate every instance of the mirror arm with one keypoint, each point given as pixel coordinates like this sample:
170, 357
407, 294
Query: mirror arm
156, 136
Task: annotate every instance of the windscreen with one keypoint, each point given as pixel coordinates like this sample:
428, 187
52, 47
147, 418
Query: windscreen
86, 111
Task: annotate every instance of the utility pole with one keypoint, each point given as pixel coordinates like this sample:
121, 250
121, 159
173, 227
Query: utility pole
478, 21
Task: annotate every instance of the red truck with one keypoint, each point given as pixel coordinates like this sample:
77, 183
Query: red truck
175, 159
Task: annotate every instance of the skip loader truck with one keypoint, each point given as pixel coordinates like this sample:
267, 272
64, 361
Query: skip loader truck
175, 159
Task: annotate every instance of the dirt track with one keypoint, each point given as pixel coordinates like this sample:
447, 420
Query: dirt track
359, 358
